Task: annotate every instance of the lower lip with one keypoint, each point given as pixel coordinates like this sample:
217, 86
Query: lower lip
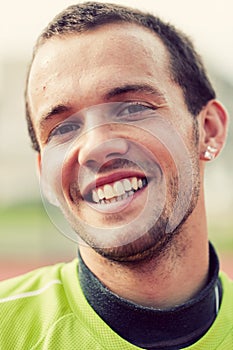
116, 207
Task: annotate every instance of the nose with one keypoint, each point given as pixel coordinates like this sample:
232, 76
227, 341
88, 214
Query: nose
99, 146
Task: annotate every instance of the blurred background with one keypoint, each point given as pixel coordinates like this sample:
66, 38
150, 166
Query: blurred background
27, 237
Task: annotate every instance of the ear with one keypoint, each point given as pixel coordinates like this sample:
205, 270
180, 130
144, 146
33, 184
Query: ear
213, 130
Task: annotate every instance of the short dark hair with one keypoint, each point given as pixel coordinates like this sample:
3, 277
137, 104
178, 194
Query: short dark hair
186, 67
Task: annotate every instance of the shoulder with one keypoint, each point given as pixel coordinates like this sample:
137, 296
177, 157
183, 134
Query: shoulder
37, 285
225, 317
226, 308
227, 285
30, 280
33, 302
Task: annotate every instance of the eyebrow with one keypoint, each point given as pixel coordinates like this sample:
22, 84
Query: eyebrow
145, 88
56, 110
117, 91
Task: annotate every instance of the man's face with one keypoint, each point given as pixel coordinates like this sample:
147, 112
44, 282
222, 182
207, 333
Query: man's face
117, 142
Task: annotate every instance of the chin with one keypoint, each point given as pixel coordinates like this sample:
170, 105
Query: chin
149, 245
141, 239
153, 244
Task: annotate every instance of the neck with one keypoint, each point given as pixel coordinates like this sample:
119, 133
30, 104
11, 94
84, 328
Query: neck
162, 282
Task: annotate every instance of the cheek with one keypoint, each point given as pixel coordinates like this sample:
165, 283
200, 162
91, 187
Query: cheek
70, 172
156, 138
55, 171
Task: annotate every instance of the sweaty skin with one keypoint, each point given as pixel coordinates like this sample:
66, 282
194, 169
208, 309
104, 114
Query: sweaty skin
112, 58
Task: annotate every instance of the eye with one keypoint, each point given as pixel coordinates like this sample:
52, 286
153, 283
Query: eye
63, 130
135, 110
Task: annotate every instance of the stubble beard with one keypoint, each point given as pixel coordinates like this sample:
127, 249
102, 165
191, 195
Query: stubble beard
152, 244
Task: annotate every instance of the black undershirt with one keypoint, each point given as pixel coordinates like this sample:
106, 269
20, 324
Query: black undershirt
151, 328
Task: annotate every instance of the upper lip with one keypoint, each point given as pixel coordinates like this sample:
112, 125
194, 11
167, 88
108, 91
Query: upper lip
110, 178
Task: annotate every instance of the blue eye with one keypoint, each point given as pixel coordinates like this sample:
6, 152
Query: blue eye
64, 130
135, 111
135, 108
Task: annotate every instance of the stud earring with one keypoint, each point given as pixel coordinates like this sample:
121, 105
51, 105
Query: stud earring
210, 153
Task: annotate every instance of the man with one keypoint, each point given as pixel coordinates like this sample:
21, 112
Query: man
124, 119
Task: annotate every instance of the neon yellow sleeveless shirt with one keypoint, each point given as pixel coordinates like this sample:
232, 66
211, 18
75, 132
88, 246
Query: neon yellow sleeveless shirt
46, 310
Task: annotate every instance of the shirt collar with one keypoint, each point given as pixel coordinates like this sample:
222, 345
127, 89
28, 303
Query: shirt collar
152, 328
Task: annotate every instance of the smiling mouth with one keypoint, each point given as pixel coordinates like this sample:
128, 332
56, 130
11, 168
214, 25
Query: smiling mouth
116, 191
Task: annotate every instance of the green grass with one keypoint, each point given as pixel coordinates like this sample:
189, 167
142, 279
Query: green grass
25, 213
26, 230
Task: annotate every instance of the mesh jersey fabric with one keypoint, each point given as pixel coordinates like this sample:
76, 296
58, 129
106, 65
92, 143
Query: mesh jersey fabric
46, 310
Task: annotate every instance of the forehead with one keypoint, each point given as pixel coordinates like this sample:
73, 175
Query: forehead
78, 65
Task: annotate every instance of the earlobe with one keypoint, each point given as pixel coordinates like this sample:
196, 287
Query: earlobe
213, 130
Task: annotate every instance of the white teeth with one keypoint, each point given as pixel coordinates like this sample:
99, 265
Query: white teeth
134, 183
124, 196
95, 196
140, 183
108, 191
127, 185
100, 193
117, 191
118, 188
